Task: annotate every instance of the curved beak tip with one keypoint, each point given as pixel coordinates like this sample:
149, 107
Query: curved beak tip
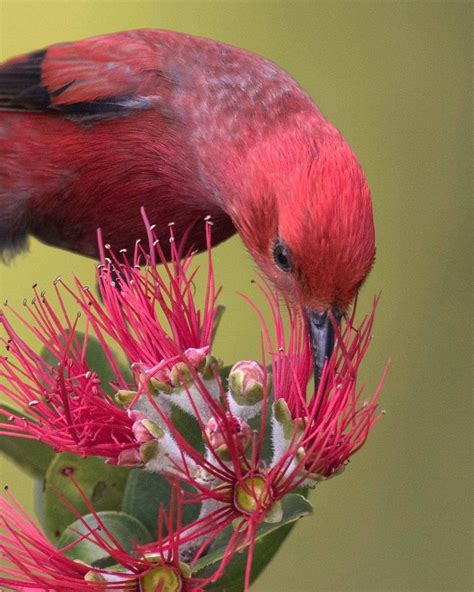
322, 337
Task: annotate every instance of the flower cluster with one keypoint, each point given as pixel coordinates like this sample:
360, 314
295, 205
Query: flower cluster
33, 563
260, 436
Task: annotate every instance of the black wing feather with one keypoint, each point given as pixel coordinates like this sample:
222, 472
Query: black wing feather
21, 90
20, 84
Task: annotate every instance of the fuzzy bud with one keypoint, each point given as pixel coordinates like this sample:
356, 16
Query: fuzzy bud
212, 366
246, 382
124, 397
160, 380
239, 432
149, 451
197, 357
129, 457
145, 430
159, 386
180, 375
157, 379
282, 415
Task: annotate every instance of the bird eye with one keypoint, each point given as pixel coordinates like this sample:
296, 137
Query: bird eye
281, 256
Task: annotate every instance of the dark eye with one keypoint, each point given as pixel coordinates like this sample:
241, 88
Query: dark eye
281, 256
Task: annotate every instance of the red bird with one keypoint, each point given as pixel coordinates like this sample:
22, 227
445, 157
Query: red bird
187, 127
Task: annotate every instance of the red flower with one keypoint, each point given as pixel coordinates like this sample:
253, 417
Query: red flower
241, 478
151, 314
65, 406
332, 423
31, 562
312, 437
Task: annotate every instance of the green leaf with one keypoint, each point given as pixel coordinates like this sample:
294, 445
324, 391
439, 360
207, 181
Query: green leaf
144, 494
189, 428
96, 361
31, 455
295, 506
127, 530
102, 484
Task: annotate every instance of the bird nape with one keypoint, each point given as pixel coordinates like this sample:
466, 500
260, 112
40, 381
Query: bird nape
187, 127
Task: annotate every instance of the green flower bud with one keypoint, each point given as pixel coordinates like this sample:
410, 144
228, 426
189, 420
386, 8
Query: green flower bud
181, 374
124, 397
212, 366
246, 382
153, 429
149, 450
158, 386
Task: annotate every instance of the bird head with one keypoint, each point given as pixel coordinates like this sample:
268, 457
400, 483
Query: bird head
310, 228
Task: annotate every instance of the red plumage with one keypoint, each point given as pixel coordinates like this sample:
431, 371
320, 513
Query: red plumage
187, 127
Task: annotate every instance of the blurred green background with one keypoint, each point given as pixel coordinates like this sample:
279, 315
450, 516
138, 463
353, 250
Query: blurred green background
395, 78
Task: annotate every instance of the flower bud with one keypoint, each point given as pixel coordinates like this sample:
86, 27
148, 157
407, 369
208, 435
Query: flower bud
153, 428
159, 386
197, 357
124, 397
140, 433
238, 431
282, 415
212, 366
180, 374
160, 380
246, 382
128, 458
145, 430
157, 379
148, 451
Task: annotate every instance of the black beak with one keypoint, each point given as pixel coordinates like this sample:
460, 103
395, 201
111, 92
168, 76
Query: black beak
322, 335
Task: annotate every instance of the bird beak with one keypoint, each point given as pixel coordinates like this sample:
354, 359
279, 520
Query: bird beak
322, 335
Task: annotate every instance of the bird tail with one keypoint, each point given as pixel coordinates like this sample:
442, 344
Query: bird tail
13, 227
13, 199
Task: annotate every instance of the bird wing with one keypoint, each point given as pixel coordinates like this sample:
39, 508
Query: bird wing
97, 77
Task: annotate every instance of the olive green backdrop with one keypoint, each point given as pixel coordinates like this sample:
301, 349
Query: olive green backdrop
395, 78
